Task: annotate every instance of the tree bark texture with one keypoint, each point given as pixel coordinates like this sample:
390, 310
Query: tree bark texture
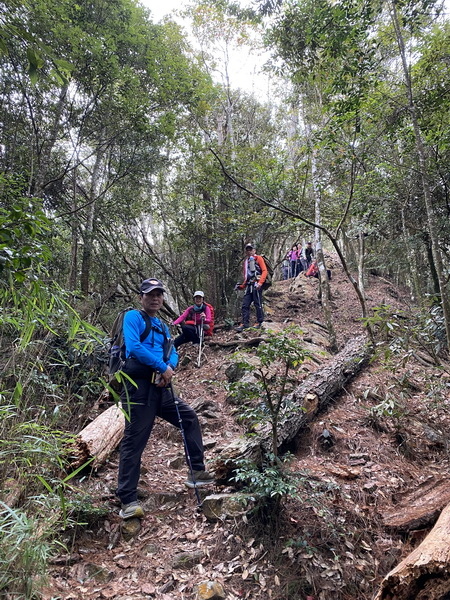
421, 148
420, 508
423, 574
100, 438
305, 402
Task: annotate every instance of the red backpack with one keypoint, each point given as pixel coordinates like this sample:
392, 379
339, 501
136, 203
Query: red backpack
211, 324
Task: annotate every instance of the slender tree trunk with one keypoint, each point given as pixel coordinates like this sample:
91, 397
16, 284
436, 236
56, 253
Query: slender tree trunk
361, 258
432, 219
325, 294
88, 237
73, 274
47, 147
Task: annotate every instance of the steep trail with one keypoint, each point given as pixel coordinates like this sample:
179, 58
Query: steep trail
348, 486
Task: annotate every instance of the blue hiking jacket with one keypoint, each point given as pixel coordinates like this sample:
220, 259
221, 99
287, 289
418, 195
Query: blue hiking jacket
150, 351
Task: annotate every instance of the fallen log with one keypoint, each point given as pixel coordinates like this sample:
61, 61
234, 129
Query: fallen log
419, 508
99, 439
310, 397
237, 343
423, 574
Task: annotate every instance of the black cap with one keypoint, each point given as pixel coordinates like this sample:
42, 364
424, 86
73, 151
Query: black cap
151, 284
249, 247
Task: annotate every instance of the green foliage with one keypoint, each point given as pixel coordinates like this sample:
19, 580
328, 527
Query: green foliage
266, 396
23, 232
25, 548
272, 481
391, 407
401, 333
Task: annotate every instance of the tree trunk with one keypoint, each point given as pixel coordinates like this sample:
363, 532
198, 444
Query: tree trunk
100, 438
88, 234
47, 145
424, 574
432, 220
73, 274
361, 257
325, 294
418, 509
308, 399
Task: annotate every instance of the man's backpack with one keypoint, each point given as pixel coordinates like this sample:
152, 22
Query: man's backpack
117, 350
268, 282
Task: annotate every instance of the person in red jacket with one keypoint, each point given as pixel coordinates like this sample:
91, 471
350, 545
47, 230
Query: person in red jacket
255, 273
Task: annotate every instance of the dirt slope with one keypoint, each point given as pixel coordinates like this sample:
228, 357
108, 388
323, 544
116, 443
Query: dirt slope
338, 539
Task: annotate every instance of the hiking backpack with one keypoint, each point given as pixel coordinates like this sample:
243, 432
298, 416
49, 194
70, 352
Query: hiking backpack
117, 350
211, 324
268, 282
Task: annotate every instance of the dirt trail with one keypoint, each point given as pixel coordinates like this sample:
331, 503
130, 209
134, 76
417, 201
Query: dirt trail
332, 543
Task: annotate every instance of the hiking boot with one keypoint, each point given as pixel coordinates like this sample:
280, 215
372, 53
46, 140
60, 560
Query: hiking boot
131, 510
257, 326
201, 478
241, 328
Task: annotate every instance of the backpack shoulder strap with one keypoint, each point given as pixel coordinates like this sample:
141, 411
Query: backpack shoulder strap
148, 325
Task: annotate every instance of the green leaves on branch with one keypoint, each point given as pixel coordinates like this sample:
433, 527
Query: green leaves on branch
23, 233
266, 392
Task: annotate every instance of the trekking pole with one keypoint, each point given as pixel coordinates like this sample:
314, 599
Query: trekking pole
186, 451
200, 335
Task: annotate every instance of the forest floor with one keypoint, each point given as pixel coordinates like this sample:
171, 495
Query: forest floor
389, 432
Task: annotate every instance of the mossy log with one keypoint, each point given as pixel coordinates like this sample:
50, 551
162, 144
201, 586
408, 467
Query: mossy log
424, 574
305, 402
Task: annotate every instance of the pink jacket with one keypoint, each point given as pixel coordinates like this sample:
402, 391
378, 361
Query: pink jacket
196, 319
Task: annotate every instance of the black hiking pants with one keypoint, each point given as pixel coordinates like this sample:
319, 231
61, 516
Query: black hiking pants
189, 334
254, 296
144, 404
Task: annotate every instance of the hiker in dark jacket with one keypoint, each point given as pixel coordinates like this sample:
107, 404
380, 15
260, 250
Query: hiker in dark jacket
152, 370
195, 317
309, 253
255, 273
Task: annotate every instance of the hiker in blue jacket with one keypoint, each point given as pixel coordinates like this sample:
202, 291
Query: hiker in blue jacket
152, 371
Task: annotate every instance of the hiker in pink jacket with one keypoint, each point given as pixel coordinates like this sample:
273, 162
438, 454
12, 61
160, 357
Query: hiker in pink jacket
195, 317
293, 256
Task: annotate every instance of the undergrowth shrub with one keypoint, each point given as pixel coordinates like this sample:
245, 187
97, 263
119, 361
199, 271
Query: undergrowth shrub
264, 396
402, 335
25, 548
50, 368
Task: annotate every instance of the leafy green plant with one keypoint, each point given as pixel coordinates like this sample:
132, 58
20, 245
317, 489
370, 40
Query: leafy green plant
402, 334
270, 481
25, 548
381, 322
266, 396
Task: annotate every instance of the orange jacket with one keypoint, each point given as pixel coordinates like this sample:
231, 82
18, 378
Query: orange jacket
260, 276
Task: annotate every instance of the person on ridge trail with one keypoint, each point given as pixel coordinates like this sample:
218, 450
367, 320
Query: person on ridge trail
195, 316
152, 371
255, 273
309, 253
293, 255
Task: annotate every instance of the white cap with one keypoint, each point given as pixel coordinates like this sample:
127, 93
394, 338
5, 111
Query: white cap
199, 293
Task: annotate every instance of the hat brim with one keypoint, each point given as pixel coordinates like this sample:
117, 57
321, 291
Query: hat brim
151, 288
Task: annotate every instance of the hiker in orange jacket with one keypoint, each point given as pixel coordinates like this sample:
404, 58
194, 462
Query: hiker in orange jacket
255, 273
